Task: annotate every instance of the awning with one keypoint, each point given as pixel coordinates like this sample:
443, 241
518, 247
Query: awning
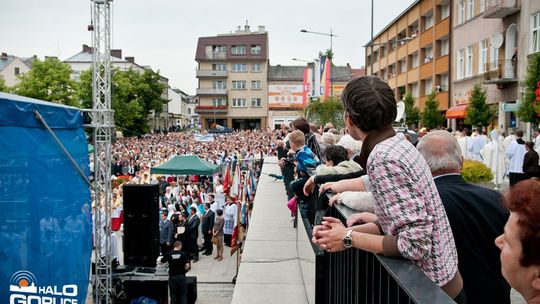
458, 111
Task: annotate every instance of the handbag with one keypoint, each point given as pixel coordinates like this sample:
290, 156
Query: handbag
214, 239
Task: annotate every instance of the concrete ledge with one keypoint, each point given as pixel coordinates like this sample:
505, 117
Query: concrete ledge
270, 268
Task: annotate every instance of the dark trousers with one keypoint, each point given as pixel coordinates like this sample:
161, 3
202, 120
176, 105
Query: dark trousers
227, 238
208, 243
515, 177
164, 248
178, 289
193, 248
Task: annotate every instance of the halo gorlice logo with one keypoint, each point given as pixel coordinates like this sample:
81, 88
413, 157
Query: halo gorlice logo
24, 290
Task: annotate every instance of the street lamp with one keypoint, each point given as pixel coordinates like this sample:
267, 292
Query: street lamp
331, 35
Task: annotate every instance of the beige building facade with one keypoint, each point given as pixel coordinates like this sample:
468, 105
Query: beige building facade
232, 73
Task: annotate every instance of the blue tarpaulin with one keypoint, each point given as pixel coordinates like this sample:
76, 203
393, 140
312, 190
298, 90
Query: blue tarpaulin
45, 207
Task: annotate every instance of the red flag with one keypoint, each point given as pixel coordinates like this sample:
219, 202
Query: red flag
227, 180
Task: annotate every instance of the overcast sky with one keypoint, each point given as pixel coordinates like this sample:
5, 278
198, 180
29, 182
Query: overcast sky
163, 33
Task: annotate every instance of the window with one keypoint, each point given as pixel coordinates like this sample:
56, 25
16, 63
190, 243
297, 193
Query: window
470, 9
414, 89
444, 83
445, 47
239, 102
256, 67
493, 58
445, 11
483, 56
255, 49
239, 84
461, 64
219, 49
428, 21
238, 50
239, 67
256, 85
414, 60
461, 11
382, 51
428, 54
219, 67
402, 66
469, 61
482, 5
256, 102
428, 86
216, 102
17, 71
219, 84
535, 33
189, 111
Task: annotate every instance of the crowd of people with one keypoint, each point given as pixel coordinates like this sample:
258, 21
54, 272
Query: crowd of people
411, 200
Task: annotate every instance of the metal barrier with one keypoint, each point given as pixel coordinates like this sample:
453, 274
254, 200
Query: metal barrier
357, 276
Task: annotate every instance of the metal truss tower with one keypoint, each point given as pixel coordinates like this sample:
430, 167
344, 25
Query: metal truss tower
102, 123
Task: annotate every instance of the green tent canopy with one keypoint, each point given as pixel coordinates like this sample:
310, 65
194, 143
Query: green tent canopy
185, 165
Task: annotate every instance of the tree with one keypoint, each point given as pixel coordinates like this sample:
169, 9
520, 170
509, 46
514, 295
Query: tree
329, 110
3, 86
478, 112
432, 117
134, 94
412, 113
49, 80
527, 111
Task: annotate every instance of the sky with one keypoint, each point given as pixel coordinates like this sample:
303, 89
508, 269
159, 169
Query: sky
163, 34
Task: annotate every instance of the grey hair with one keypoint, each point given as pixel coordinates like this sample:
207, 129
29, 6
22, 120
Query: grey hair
441, 151
329, 138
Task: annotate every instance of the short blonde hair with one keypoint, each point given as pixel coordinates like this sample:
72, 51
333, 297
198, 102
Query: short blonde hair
297, 138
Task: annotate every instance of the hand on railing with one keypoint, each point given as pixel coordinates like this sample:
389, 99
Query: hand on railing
309, 186
329, 235
361, 218
326, 187
334, 200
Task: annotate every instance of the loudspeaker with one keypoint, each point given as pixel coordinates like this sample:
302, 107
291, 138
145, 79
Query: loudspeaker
141, 225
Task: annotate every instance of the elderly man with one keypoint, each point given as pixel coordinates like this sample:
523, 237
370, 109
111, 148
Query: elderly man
476, 217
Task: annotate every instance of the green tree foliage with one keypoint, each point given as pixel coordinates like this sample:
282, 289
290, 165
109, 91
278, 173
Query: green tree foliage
478, 112
329, 110
432, 117
49, 80
134, 95
412, 113
3, 86
526, 111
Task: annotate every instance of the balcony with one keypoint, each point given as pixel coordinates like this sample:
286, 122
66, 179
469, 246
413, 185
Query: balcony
211, 73
501, 8
216, 55
211, 91
500, 73
212, 109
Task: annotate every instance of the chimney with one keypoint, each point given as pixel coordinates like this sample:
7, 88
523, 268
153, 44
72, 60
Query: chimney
87, 49
262, 29
246, 29
130, 59
116, 53
4, 55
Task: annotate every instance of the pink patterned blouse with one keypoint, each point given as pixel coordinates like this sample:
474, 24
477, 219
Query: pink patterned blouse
410, 210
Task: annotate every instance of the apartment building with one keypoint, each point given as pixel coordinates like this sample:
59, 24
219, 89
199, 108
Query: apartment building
412, 53
232, 74
491, 44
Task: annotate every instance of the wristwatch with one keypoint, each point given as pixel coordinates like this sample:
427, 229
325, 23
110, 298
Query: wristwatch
347, 240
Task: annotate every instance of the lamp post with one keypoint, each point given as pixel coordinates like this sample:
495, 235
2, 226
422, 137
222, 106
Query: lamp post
331, 35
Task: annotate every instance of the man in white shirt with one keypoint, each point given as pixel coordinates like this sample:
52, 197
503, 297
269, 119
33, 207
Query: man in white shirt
477, 144
537, 141
515, 153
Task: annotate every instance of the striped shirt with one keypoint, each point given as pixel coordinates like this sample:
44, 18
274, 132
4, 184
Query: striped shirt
408, 206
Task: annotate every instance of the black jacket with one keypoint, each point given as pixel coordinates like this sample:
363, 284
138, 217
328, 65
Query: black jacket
477, 217
530, 162
208, 221
193, 227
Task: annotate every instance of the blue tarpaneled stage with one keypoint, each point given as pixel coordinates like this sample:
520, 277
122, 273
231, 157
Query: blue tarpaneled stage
45, 207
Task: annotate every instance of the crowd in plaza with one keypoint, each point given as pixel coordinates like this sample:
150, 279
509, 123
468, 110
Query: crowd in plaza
411, 200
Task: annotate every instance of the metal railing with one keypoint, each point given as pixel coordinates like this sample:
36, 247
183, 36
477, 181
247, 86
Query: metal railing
357, 276
216, 55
